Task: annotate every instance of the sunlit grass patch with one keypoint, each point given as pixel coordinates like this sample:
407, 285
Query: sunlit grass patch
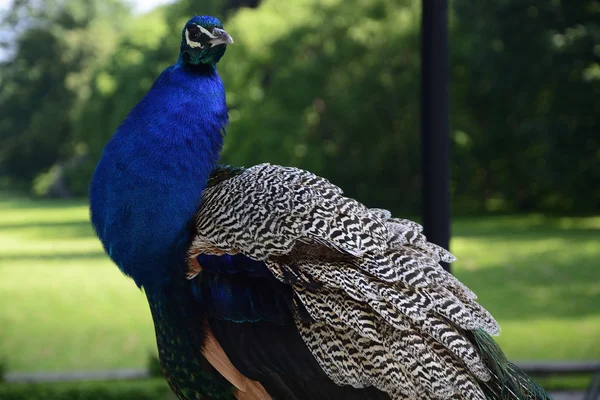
65, 305
540, 277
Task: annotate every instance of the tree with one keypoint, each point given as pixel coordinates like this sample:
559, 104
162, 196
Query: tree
44, 82
531, 79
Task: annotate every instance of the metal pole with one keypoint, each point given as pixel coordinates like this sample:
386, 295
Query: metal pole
435, 123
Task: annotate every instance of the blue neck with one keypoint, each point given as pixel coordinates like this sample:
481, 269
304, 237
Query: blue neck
149, 181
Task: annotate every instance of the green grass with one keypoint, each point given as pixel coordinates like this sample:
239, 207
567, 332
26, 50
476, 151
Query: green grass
66, 307
540, 277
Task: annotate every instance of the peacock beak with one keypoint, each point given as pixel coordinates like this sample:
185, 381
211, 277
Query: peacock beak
220, 37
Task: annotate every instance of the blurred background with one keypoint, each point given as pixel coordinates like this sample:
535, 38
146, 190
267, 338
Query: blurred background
327, 85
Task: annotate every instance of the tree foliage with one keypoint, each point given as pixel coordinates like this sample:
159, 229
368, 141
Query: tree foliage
530, 74
58, 45
332, 87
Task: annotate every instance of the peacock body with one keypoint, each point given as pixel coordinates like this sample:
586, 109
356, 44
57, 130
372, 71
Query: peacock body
268, 282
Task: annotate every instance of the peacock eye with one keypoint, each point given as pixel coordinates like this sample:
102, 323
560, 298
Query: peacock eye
194, 33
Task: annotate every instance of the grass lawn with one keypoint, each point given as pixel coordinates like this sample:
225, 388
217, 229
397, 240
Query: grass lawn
540, 278
66, 307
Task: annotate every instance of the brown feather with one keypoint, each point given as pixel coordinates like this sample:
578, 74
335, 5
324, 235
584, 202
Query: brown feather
247, 389
194, 268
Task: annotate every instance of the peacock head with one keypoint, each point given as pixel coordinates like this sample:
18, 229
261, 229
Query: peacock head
203, 41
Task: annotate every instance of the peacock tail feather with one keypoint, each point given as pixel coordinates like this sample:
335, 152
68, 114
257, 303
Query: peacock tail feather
508, 382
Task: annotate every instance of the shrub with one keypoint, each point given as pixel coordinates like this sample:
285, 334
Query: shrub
153, 389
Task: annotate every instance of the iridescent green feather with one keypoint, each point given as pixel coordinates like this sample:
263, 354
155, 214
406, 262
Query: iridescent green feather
179, 340
508, 381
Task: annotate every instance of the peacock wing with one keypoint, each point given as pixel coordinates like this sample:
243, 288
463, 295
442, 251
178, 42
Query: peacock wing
373, 305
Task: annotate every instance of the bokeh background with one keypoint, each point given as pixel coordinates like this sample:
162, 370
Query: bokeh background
327, 85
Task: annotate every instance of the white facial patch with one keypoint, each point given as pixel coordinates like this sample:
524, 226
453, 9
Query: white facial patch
193, 44
206, 32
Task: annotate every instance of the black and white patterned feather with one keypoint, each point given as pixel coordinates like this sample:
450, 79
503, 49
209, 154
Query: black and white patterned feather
382, 312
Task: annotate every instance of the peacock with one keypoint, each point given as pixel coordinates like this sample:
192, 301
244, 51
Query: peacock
267, 282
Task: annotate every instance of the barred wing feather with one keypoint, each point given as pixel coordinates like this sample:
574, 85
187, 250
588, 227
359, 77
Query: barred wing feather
381, 311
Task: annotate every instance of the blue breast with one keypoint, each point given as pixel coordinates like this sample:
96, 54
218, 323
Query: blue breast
149, 181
